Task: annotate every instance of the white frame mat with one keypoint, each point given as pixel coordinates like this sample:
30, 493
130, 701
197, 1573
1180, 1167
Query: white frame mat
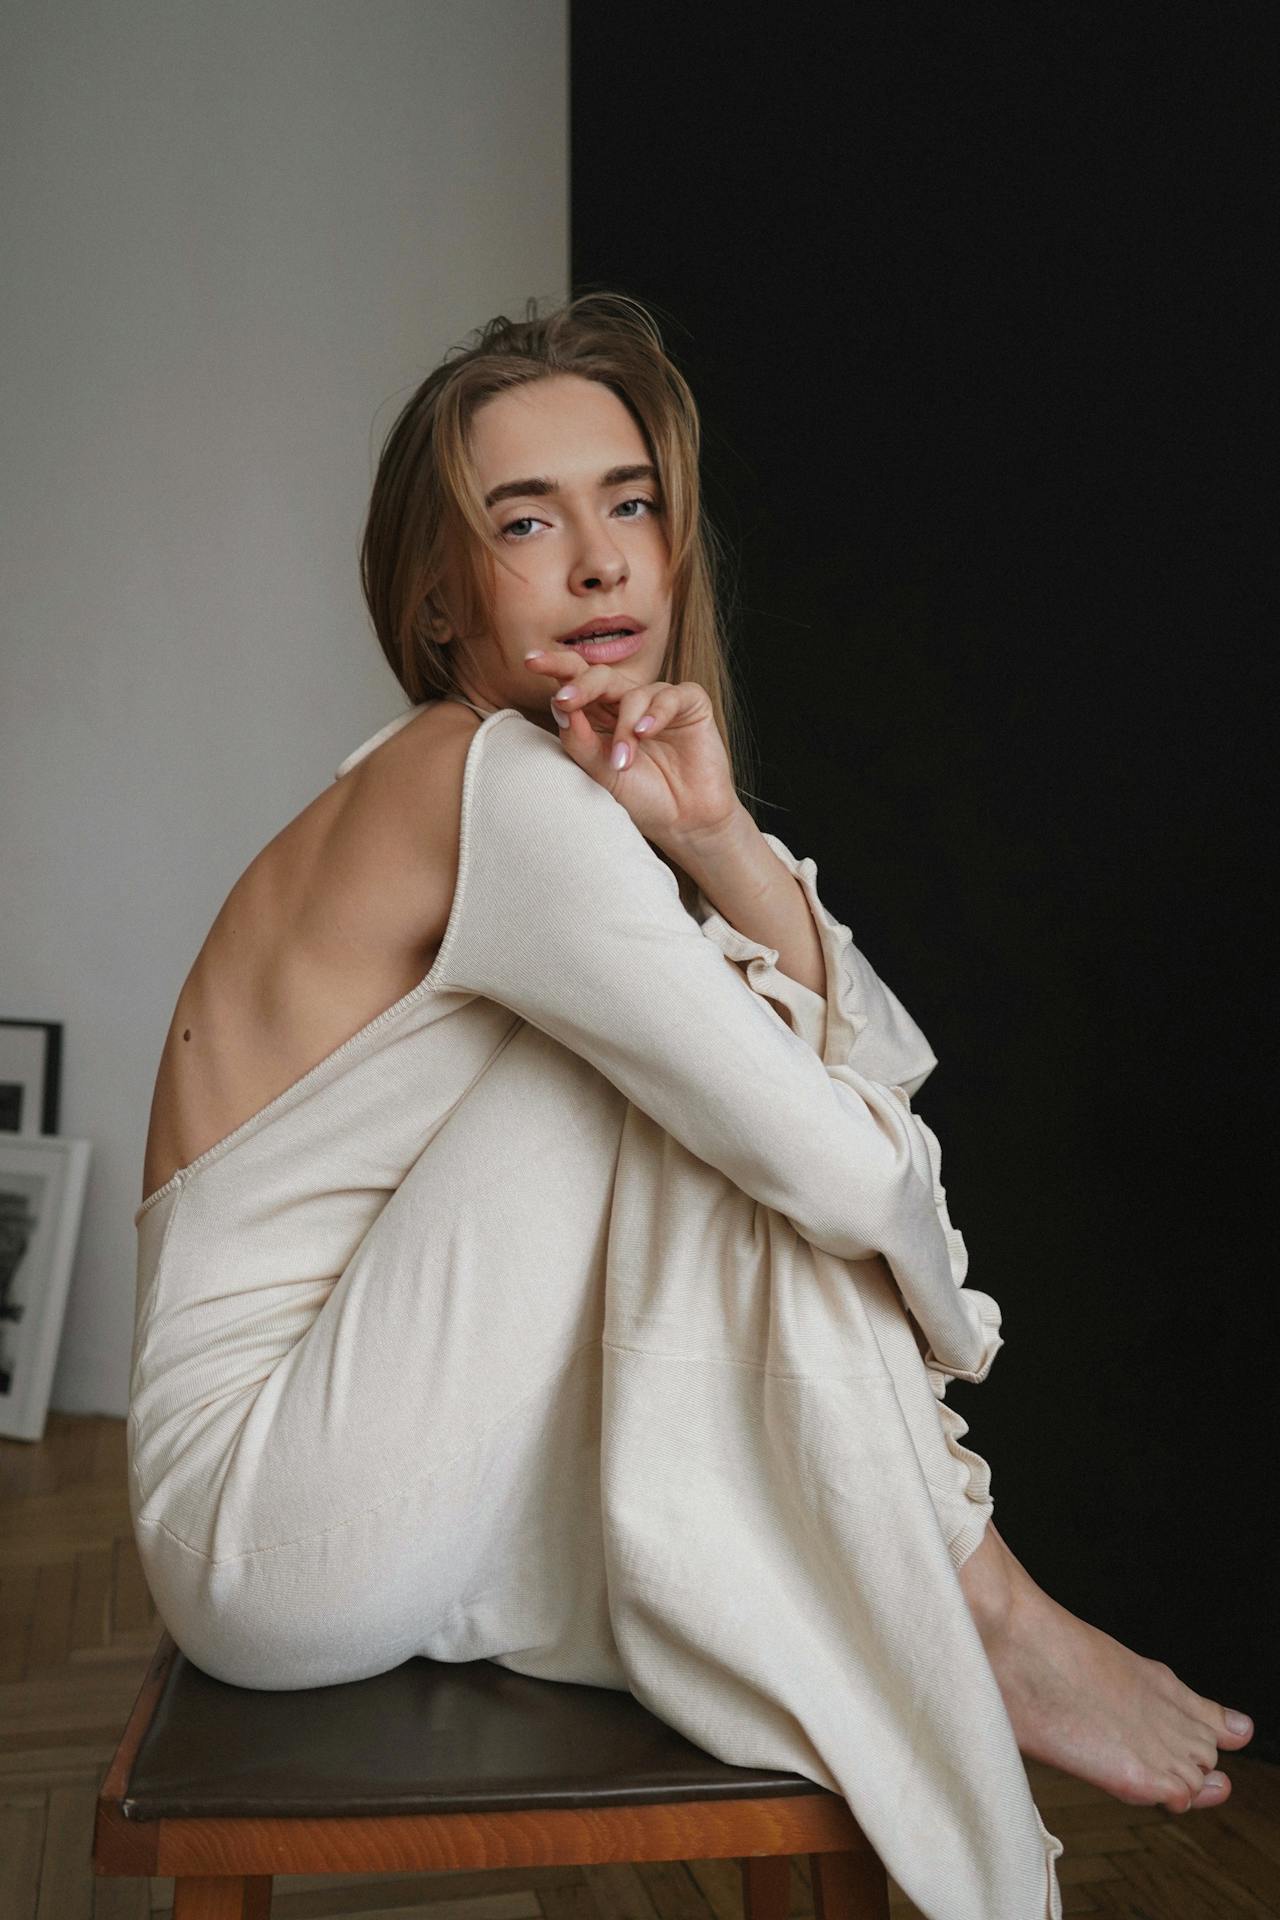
42, 1189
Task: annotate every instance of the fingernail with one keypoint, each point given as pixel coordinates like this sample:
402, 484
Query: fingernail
561, 719
1237, 1722
621, 755
535, 654
565, 693
643, 726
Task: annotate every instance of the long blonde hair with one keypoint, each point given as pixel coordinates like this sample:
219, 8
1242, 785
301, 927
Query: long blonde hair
421, 556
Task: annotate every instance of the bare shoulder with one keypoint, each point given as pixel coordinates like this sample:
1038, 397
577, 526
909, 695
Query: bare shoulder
404, 817
428, 774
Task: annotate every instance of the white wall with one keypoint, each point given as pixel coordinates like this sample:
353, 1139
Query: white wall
234, 237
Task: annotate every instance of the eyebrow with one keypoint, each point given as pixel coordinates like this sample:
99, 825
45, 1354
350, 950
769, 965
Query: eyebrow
540, 484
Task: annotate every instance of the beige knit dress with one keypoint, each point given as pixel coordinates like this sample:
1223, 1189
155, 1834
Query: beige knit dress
560, 1318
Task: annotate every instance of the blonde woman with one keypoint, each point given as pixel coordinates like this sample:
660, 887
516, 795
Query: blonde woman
541, 1259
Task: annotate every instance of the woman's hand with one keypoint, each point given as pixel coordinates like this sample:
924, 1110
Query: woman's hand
677, 784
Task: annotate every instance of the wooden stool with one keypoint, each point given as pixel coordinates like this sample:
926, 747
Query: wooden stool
444, 1767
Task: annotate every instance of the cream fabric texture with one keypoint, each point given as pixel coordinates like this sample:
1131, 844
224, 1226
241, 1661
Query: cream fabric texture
560, 1318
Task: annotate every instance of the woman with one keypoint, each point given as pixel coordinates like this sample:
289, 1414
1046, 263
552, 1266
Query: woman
541, 1259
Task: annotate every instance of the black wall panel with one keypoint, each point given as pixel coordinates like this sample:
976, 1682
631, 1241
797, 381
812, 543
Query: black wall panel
971, 307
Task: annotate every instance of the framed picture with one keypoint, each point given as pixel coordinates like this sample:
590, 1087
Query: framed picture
42, 1187
30, 1071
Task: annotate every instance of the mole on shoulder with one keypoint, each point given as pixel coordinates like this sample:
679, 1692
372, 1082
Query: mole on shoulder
186, 1033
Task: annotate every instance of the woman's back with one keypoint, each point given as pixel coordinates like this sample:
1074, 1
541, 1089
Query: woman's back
334, 921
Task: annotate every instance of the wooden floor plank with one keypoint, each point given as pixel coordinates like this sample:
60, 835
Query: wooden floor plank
119, 1899
1170, 1879
131, 1604
21, 1845
1259, 1831
66, 1871
393, 1897
90, 1619
17, 1606
673, 1890
567, 1903
50, 1639
619, 1892
720, 1884
1231, 1853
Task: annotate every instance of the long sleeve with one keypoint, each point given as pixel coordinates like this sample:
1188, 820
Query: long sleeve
858, 1021
564, 914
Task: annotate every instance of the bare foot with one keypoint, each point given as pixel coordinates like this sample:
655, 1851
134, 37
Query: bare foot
1081, 1701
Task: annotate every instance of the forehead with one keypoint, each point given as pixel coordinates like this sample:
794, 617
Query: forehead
562, 425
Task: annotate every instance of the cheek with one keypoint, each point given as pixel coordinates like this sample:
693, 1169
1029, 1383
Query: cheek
659, 547
519, 594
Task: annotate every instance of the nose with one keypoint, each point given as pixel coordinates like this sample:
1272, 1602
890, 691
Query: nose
601, 562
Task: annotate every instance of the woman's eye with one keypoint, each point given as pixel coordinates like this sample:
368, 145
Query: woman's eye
529, 519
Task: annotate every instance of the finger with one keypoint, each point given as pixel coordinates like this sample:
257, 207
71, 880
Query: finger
660, 704
559, 660
558, 665
635, 711
582, 685
579, 739
596, 681
644, 717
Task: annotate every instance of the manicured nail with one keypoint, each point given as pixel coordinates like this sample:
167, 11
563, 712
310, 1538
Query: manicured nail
561, 719
565, 693
621, 755
536, 654
643, 726
1237, 1722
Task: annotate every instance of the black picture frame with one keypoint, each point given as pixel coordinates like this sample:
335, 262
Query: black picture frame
11, 1115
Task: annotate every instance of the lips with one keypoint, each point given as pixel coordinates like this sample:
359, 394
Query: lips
600, 630
616, 646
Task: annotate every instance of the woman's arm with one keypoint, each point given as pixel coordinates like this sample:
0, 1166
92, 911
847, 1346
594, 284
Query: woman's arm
745, 881
564, 913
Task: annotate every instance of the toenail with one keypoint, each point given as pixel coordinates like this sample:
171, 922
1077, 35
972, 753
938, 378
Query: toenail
1237, 1722
1214, 1781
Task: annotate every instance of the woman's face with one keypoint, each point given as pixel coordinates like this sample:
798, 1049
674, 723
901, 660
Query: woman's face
581, 546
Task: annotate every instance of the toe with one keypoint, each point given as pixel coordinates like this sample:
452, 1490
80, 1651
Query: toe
1175, 1794
1192, 1739
1237, 1729
1228, 1728
1214, 1789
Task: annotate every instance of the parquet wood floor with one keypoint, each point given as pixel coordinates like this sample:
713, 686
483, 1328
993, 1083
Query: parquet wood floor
76, 1630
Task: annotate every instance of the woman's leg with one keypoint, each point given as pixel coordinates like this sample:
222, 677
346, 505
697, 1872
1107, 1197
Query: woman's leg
1081, 1701
784, 1516
419, 1472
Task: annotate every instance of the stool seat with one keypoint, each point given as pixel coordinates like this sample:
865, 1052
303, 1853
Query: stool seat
427, 1737
444, 1768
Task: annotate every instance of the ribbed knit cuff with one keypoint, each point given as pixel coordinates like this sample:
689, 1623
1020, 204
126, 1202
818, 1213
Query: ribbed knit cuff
830, 1023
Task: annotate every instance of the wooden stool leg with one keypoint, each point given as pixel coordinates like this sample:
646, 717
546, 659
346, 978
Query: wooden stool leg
233, 1897
847, 1886
766, 1887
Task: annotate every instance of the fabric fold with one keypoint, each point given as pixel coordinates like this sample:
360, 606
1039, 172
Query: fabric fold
857, 1012
859, 1022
